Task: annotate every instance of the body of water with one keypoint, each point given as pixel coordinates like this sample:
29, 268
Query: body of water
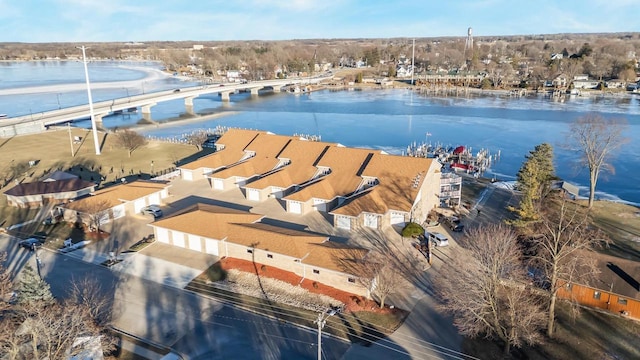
392, 119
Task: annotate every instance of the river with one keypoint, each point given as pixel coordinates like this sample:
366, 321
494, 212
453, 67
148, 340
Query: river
384, 119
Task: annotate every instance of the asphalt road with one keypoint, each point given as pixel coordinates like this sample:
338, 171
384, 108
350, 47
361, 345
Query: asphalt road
191, 324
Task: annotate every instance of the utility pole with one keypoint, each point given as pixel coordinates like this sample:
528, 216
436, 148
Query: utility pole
413, 60
71, 140
93, 118
322, 319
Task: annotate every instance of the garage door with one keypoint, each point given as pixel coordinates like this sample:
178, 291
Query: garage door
397, 218
194, 242
162, 235
343, 222
154, 199
178, 239
138, 205
253, 194
118, 211
371, 221
295, 207
218, 184
187, 175
211, 246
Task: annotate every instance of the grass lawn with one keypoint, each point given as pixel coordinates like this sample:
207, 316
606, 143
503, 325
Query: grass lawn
51, 150
622, 223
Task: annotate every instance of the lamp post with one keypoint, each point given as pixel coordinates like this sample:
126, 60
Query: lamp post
93, 119
58, 97
322, 319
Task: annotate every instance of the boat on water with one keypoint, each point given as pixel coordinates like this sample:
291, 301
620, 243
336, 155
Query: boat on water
4, 116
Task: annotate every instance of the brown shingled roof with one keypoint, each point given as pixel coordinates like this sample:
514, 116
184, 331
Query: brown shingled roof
345, 163
303, 155
49, 187
400, 179
243, 228
209, 221
266, 147
118, 194
235, 141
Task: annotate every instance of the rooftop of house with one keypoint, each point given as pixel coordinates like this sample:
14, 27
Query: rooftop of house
399, 181
117, 194
244, 228
49, 187
235, 141
303, 155
346, 166
266, 148
618, 275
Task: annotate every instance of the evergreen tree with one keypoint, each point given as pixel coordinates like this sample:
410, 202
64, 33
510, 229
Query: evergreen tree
534, 180
32, 288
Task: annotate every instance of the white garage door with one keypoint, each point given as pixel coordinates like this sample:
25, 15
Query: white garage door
343, 222
162, 235
178, 239
138, 205
154, 199
253, 194
218, 184
118, 211
397, 218
320, 204
211, 246
194, 242
295, 207
187, 175
371, 220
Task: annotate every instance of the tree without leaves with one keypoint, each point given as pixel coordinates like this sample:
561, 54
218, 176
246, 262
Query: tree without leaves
597, 138
483, 287
96, 212
6, 285
559, 249
197, 138
130, 140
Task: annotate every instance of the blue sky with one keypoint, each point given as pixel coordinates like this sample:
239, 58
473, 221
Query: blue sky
199, 20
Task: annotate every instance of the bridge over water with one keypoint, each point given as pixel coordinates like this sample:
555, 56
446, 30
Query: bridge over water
39, 122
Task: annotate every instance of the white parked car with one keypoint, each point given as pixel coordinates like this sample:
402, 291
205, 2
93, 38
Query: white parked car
438, 239
152, 210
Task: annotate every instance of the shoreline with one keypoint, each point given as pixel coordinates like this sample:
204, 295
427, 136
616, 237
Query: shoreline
177, 122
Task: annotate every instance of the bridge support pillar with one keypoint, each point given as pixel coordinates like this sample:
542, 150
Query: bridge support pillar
188, 105
254, 91
98, 120
225, 95
146, 112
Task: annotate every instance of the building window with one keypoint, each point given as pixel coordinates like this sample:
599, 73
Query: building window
250, 251
351, 280
596, 295
622, 301
316, 271
270, 256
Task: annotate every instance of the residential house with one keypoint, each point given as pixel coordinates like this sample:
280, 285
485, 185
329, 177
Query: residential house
337, 178
560, 81
585, 84
260, 157
616, 289
117, 201
393, 190
59, 187
299, 157
240, 235
229, 150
